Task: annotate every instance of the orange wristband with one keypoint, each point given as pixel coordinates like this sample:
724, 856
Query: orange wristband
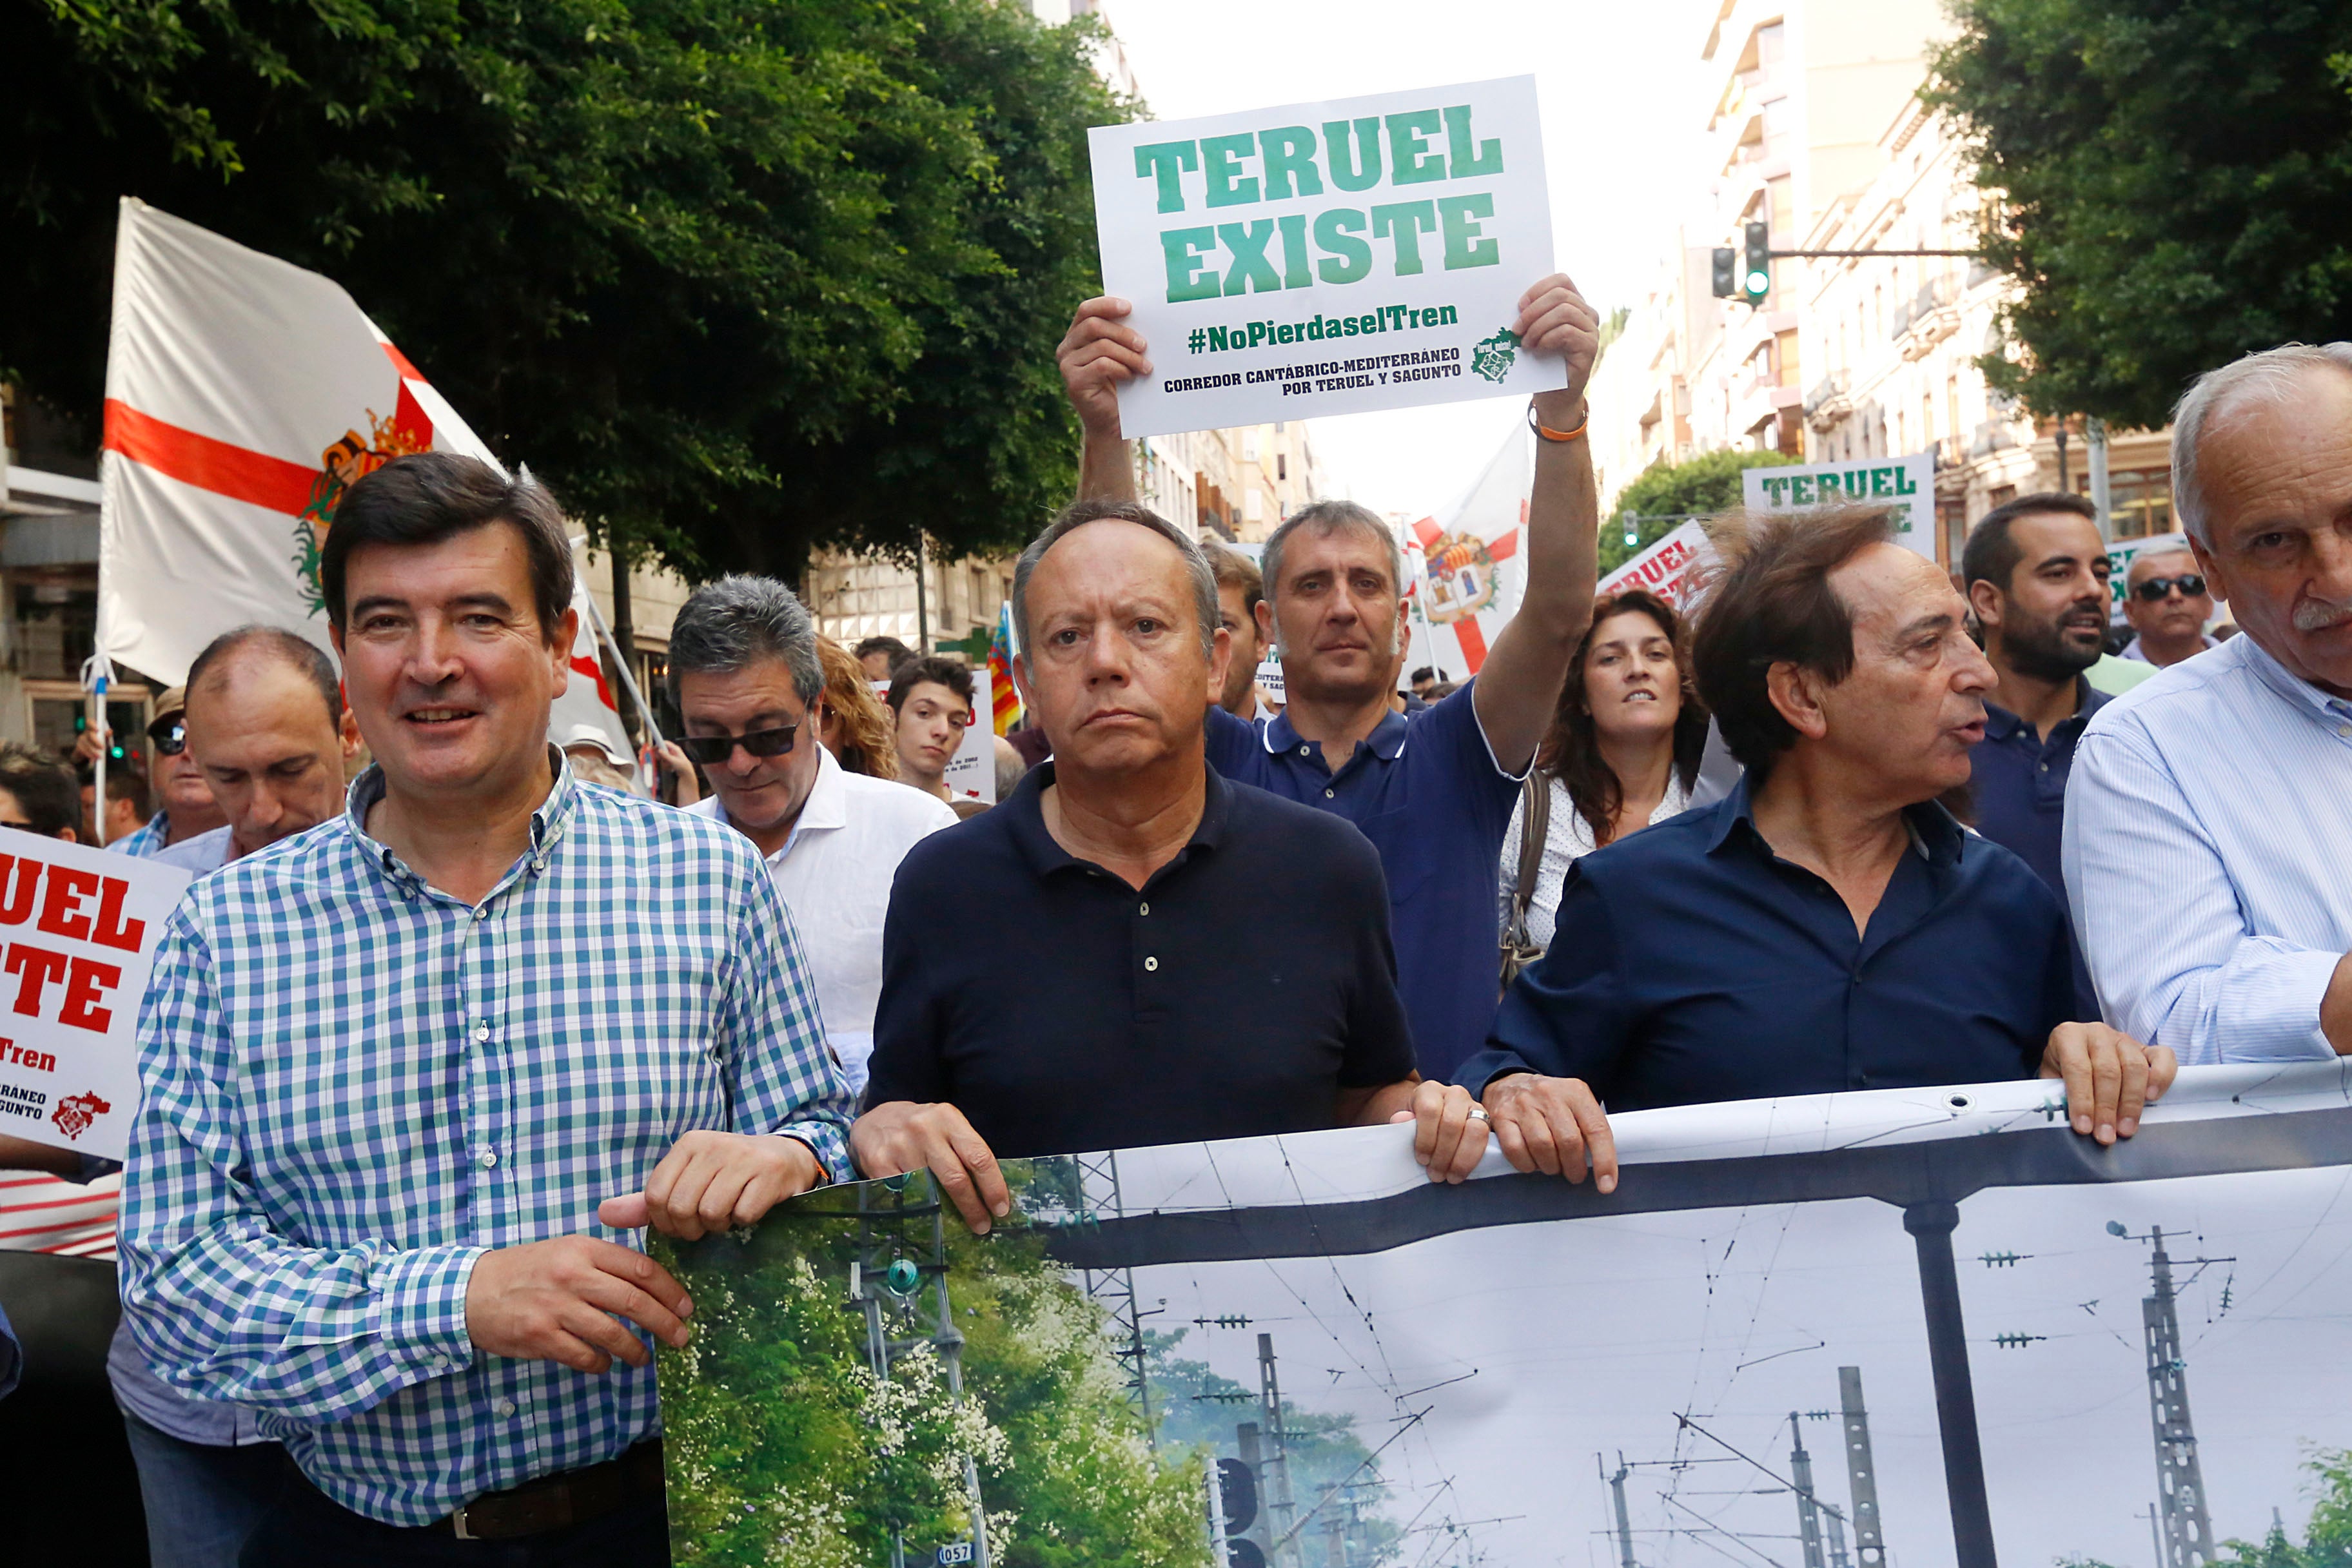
1550, 435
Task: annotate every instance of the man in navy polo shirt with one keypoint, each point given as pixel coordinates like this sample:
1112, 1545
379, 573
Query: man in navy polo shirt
1064, 972
1433, 790
1828, 926
2035, 571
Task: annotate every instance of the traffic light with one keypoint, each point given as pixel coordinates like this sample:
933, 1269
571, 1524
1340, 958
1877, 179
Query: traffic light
1237, 1486
1755, 276
1727, 272
1244, 1555
1631, 522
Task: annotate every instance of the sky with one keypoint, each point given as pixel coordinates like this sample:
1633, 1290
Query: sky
1615, 82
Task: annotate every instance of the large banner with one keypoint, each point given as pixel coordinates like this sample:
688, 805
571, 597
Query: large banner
1326, 258
1906, 485
244, 395
1931, 1329
78, 934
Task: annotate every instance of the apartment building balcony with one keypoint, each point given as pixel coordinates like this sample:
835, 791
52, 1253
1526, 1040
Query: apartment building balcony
1927, 319
1829, 401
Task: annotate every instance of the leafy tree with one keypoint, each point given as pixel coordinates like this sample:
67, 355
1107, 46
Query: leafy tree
736, 278
796, 1455
1668, 492
2175, 184
2328, 1539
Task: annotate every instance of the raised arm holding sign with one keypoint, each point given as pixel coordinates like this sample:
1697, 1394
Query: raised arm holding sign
1335, 605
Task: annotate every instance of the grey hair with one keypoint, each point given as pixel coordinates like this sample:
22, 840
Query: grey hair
1077, 515
2267, 377
1328, 518
727, 626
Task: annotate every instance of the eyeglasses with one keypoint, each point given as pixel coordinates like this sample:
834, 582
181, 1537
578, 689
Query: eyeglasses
170, 736
712, 750
2189, 583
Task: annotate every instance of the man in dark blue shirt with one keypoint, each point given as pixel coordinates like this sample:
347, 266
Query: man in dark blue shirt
1068, 972
1433, 790
1828, 926
2035, 571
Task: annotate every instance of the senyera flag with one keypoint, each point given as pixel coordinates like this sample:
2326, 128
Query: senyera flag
243, 396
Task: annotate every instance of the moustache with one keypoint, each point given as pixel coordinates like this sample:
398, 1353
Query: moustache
2319, 616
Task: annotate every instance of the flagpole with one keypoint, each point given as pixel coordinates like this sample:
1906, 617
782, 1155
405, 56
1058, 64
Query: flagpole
628, 676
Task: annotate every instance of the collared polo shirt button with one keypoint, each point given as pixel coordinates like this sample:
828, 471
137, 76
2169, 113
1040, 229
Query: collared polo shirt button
1151, 964
1331, 794
504, 1408
1143, 908
482, 913
487, 1158
1302, 751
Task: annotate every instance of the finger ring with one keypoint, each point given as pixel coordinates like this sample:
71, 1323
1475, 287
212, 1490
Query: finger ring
1478, 1113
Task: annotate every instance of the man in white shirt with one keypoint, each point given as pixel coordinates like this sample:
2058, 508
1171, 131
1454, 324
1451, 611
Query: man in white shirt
744, 673
2209, 811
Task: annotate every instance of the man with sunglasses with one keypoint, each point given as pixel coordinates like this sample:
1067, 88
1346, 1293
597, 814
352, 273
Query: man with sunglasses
188, 808
2168, 603
744, 672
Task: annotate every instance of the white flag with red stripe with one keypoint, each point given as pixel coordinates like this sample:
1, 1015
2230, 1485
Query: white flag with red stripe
1472, 572
244, 395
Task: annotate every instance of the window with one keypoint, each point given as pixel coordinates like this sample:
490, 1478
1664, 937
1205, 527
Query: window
57, 628
2139, 500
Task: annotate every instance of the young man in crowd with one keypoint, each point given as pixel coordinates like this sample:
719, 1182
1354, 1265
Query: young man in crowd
1436, 809
2168, 603
2035, 571
1121, 863
1828, 926
188, 807
127, 808
2209, 815
1240, 590
421, 1278
747, 681
930, 703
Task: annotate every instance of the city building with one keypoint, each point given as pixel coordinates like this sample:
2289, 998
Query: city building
1813, 126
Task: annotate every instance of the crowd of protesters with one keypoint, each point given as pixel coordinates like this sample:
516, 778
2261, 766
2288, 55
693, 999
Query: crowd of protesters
1860, 824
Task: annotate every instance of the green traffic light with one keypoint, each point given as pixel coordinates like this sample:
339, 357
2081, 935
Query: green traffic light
1759, 283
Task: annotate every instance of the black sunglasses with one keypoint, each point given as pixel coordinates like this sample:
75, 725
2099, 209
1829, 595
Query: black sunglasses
2189, 583
170, 735
712, 750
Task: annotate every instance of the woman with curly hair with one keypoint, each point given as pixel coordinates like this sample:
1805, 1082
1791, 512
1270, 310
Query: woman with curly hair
1622, 751
851, 722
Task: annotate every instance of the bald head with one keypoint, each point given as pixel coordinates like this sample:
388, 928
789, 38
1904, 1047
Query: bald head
266, 725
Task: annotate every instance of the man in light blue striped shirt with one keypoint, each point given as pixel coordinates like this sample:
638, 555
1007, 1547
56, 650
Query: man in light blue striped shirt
413, 1077
2208, 819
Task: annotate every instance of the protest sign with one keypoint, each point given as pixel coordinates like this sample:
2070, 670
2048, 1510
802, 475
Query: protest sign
1971, 1310
1326, 258
971, 774
1906, 485
80, 931
1671, 568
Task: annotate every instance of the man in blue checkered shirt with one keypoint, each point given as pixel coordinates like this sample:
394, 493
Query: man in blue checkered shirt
414, 1078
